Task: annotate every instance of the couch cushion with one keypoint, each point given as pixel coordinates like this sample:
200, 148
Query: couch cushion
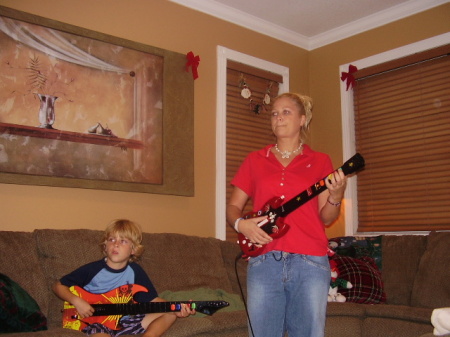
189, 326
228, 322
401, 312
62, 251
365, 278
346, 309
343, 326
18, 310
205, 294
19, 260
230, 252
432, 286
382, 326
401, 257
180, 262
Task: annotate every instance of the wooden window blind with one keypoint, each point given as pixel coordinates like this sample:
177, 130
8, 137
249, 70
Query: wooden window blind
246, 131
402, 128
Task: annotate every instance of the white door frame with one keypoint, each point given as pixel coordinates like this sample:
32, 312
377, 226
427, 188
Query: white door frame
224, 54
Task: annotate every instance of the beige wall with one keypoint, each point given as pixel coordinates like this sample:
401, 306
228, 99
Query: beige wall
166, 25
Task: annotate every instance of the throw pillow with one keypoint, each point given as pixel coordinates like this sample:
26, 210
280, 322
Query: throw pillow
355, 246
19, 312
365, 278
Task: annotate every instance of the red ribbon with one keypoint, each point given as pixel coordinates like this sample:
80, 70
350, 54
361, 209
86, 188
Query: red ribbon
349, 76
193, 62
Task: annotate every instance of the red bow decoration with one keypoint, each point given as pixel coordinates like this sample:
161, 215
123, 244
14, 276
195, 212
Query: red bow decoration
349, 76
192, 61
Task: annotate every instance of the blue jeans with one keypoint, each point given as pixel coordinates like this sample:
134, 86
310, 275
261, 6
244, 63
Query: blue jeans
287, 292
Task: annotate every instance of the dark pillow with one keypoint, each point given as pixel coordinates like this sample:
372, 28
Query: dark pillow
358, 247
365, 277
19, 312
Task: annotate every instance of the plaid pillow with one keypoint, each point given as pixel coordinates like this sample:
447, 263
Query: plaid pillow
18, 310
365, 278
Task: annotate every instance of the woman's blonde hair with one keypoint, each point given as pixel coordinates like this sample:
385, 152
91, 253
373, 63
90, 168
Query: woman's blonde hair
305, 105
128, 230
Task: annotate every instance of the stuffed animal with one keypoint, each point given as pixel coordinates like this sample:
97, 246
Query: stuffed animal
333, 295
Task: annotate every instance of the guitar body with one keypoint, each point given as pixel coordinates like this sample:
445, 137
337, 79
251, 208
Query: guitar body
111, 306
276, 209
275, 227
123, 294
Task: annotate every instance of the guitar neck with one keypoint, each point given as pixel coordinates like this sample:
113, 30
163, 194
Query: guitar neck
206, 307
350, 166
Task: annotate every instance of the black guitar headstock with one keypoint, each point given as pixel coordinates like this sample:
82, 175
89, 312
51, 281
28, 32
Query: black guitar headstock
210, 307
354, 164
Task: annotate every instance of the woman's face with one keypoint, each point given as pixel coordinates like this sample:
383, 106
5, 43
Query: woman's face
286, 119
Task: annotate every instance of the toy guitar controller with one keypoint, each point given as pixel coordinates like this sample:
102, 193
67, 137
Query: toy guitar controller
276, 210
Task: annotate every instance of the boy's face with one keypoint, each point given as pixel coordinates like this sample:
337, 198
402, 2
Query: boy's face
118, 251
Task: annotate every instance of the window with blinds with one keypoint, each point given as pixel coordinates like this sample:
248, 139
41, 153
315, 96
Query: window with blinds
402, 128
248, 121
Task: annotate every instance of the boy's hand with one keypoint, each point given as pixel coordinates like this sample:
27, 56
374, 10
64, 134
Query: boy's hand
185, 311
84, 309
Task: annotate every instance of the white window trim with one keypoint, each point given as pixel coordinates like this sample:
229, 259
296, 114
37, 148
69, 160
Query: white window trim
348, 132
224, 54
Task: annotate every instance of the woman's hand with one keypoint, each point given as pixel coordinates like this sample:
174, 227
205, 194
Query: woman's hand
336, 183
330, 201
250, 229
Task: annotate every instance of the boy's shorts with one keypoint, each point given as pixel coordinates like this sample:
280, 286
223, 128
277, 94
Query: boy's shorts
131, 325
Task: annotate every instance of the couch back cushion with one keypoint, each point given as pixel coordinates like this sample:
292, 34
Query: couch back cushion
401, 257
60, 252
432, 283
173, 261
181, 262
19, 261
230, 251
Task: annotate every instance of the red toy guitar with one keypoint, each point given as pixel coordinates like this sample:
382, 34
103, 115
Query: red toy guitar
111, 306
276, 210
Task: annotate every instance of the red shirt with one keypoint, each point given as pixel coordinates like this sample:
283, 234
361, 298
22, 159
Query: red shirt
262, 177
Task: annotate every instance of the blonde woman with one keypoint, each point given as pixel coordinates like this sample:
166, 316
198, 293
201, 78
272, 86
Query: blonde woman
288, 282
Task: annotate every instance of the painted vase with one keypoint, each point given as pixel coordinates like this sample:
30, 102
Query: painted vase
46, 111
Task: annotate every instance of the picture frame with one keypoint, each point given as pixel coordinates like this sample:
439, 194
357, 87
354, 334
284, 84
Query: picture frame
123, 119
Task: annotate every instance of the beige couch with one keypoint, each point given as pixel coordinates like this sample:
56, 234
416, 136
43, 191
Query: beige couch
415, 273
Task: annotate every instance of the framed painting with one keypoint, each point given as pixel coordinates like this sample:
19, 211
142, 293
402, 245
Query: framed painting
89, 110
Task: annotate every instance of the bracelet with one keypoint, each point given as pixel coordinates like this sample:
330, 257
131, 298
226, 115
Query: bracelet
335, 204
236, 224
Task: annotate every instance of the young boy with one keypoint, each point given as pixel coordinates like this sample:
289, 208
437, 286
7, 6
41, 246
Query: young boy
121, 246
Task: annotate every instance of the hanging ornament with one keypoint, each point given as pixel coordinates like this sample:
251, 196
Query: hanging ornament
258, 108
266, 99
246, 93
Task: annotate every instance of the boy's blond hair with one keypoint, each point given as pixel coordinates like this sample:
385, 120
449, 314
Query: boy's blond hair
128, 230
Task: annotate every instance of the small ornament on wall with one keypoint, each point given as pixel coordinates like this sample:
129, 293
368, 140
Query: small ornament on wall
348, 76
193, 63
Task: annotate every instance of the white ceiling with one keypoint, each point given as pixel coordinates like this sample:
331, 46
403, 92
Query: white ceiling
310, 24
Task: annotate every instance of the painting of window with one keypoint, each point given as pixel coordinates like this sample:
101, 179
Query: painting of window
107, 106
